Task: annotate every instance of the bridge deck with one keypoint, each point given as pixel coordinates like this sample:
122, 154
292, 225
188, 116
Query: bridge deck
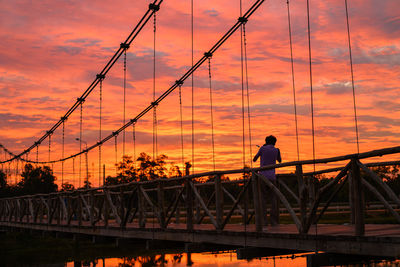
379, 239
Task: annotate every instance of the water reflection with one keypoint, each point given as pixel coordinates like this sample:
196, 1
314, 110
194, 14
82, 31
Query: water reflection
227, 259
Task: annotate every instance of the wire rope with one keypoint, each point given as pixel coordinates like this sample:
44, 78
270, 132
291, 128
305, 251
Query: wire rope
134, 143
100, 124
293, 80
124, 119
80, 144
352, 77
192, 76
312, 106
242, 91
211, 112
116, 155
153, 7
185, 76
62, 152
154, 89
181, 123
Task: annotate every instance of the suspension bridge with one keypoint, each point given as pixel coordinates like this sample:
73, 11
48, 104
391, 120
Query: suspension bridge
184, 208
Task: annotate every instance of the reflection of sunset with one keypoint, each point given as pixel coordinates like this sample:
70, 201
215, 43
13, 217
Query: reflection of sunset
51, 51
205, 260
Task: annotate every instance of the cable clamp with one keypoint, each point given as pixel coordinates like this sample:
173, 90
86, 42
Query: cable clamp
242, 20
154, 104
179, 82
115, 133
100, 76
99, 143
154, 7
124, 45
64, 118
80, 99
133, 120
208, 54
49, 132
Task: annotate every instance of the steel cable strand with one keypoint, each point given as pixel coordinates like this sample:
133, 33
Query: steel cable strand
219, 43
352, 77
137, 29
293, 80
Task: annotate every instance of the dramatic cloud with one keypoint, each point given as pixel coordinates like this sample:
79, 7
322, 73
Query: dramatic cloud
51, 51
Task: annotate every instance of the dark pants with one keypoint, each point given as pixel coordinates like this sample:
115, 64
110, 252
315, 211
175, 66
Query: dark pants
268, 196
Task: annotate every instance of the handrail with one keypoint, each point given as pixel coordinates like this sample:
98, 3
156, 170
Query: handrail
373, 153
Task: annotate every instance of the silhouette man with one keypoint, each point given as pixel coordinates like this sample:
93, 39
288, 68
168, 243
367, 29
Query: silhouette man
269, 155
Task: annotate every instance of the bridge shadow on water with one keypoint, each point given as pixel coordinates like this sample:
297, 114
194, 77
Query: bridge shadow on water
35, 248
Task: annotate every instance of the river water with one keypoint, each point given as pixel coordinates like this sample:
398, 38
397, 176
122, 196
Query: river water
225, 259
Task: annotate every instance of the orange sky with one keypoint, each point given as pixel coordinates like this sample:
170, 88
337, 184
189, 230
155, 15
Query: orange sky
51, 51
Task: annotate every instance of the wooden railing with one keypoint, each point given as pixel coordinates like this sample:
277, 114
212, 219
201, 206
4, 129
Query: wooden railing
184, 202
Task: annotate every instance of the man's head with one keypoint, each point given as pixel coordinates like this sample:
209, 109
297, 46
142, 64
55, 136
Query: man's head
270, 140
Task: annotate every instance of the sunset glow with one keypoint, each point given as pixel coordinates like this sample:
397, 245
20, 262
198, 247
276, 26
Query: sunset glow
52, 50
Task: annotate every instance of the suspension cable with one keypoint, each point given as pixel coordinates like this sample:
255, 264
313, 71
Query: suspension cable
124, 119
154, 89
311, 80
100, 119
211, 111
134, 143
62, 152
312, 105
192, 75
352, 77
247, 94
153, 7
181, 120
80, 144
242, 87
185, 76
293, 80
49, 147
116, 155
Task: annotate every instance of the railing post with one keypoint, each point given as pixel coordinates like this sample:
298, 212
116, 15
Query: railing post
189, 205
258, 213
177, 212
302, 197
358, 199
106, 209
80, 209
142, 215
351, 198
218, 200
160, 200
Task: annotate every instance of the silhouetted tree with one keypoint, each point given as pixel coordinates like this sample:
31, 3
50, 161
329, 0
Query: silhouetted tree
67, 187
37, 180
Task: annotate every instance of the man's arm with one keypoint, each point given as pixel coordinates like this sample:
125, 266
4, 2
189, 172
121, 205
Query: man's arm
279, 158
256, 156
